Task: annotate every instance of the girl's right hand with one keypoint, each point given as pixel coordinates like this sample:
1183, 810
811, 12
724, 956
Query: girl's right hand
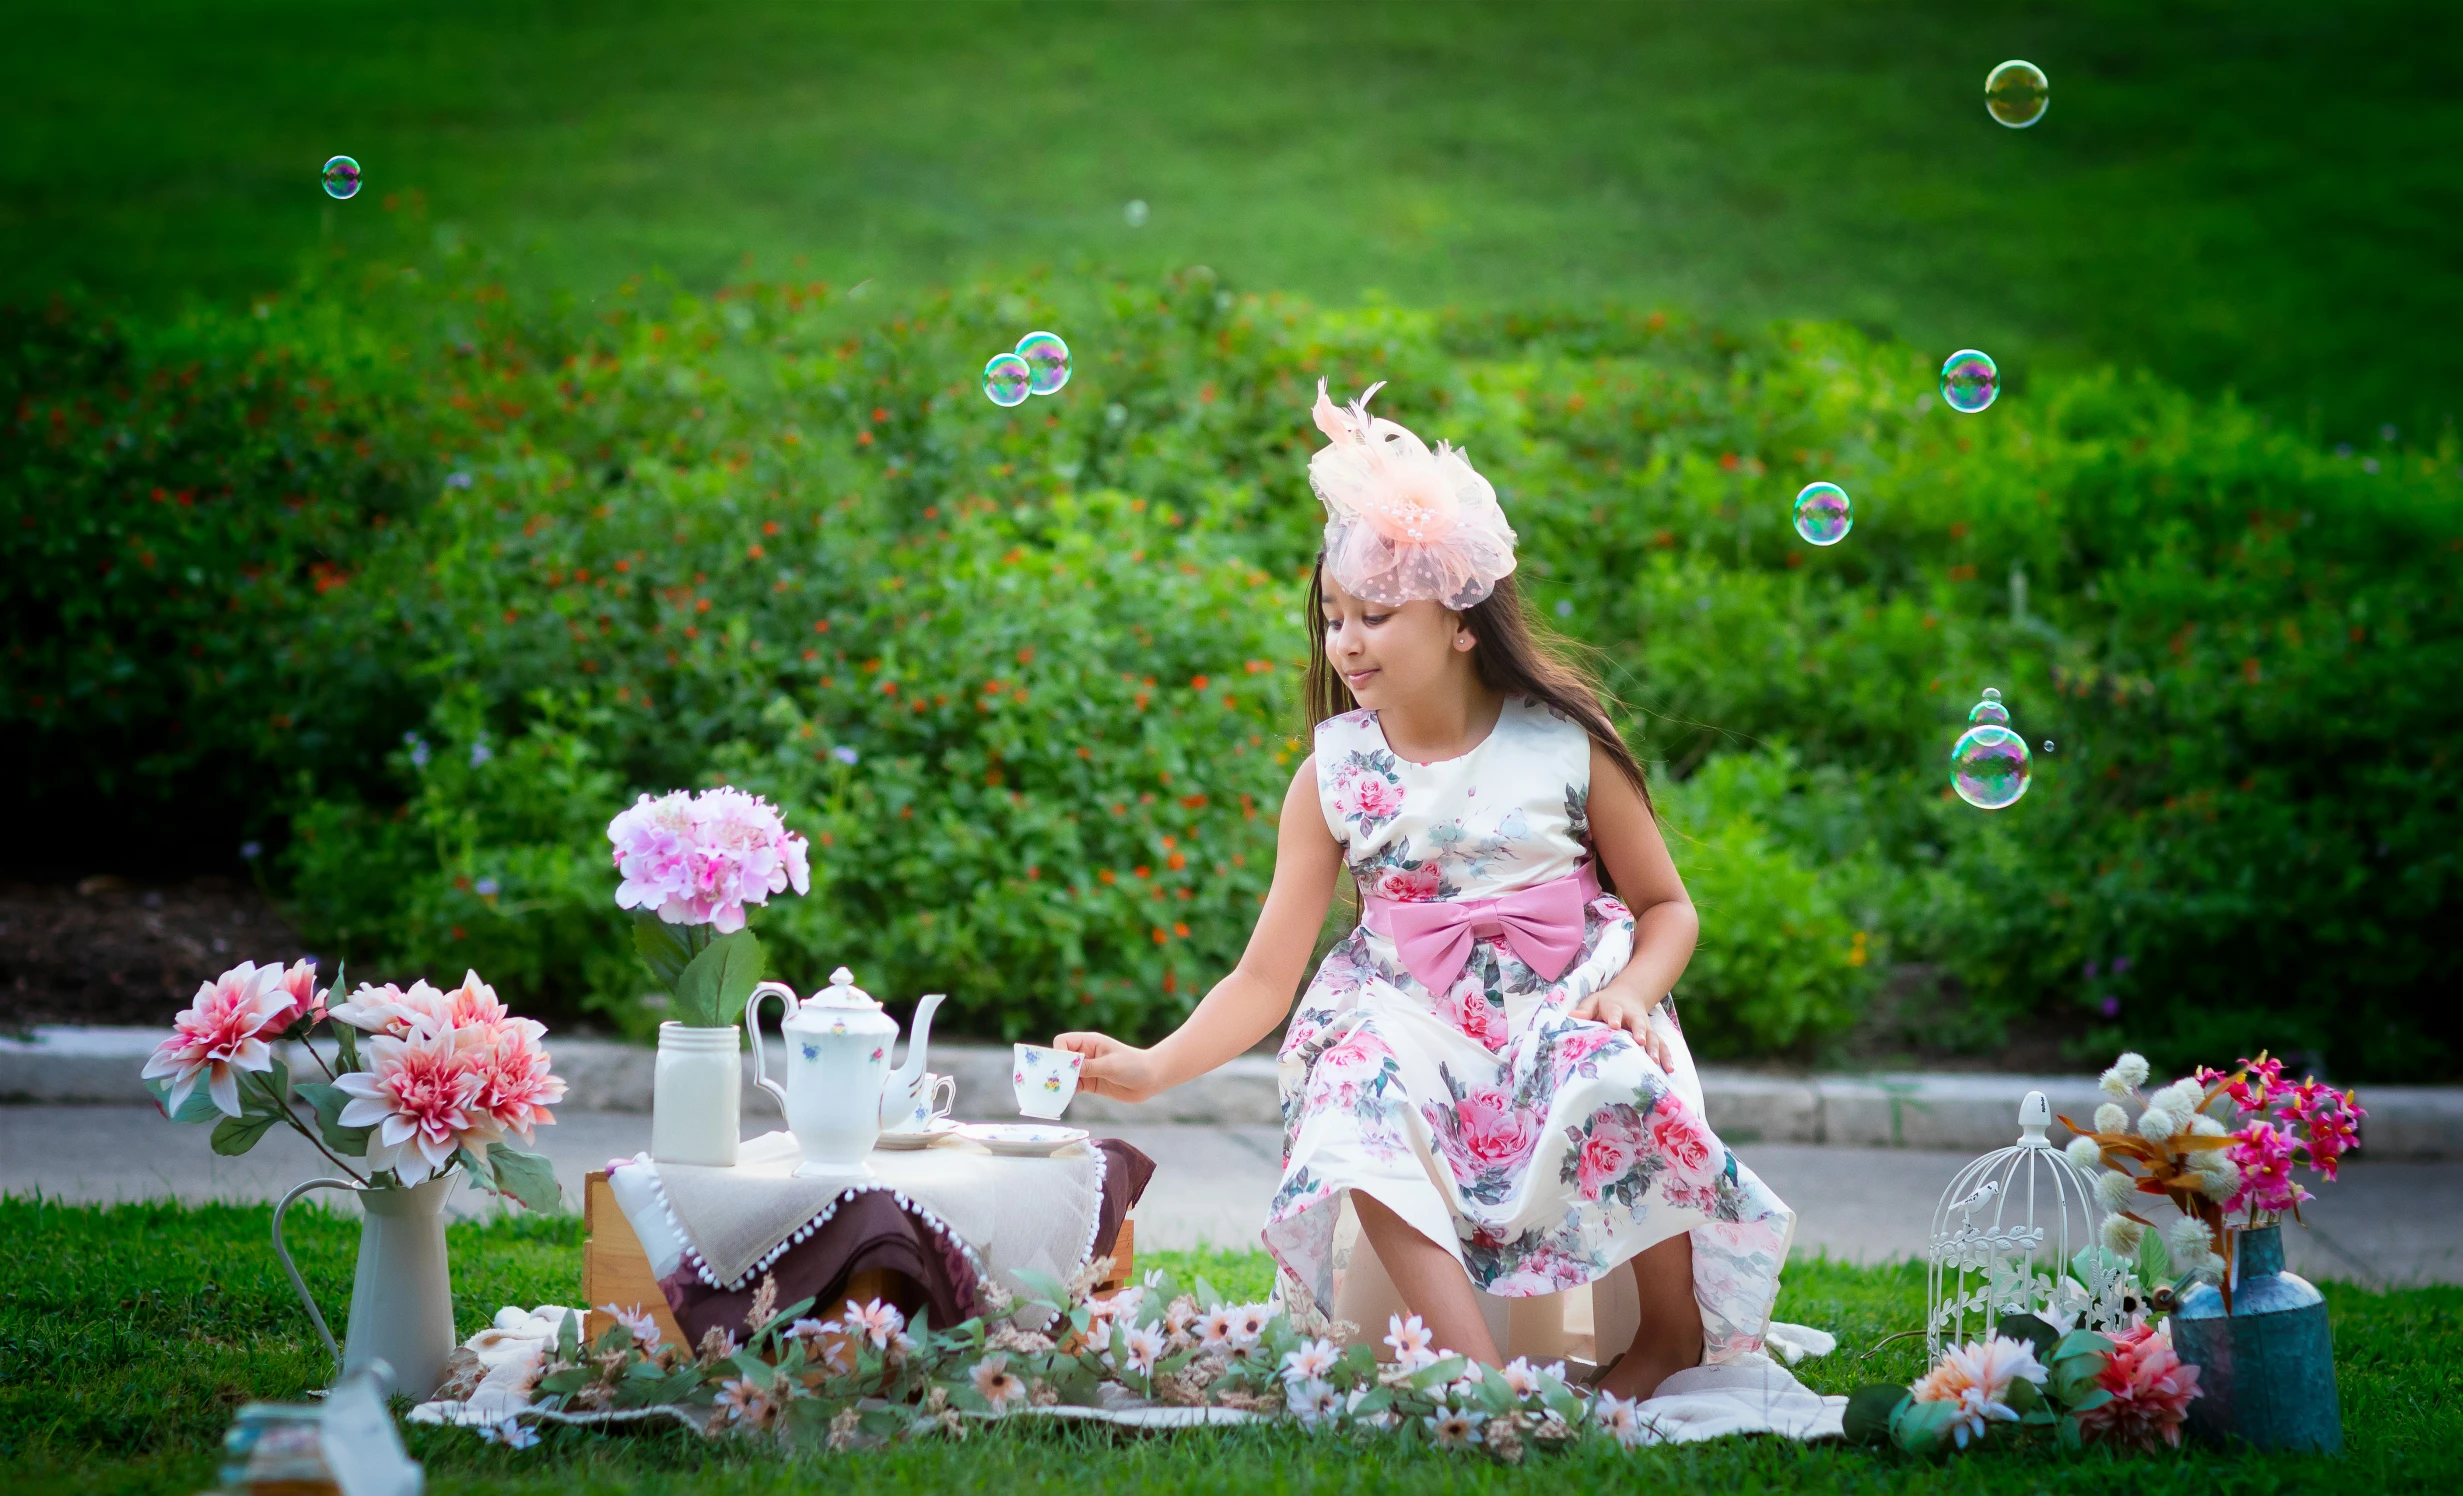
1123, 1072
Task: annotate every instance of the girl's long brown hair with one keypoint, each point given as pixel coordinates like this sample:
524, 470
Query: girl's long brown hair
1513, 659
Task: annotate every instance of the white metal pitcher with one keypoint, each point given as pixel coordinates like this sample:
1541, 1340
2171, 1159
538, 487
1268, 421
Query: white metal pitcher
401, 1296
838, 1044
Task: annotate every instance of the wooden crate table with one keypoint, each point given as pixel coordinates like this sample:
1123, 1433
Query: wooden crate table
1005, 1212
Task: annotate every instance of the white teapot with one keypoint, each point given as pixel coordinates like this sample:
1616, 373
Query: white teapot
838, 1043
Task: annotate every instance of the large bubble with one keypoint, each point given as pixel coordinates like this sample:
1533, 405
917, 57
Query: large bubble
1969, 381
1008, 379
1048, 356
1988, 763
341, 177
1822, 515
2016, 94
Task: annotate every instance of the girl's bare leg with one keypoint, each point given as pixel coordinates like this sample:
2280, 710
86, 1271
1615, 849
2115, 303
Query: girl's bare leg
1431, 1282
1669, 1339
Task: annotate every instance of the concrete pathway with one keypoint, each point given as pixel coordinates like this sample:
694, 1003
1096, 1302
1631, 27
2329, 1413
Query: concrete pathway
2386, 1223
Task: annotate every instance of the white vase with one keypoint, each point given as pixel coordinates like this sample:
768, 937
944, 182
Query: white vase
402, 1293
697, 1096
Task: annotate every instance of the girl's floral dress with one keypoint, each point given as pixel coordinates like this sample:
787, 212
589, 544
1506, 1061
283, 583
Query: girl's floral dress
1543, 1149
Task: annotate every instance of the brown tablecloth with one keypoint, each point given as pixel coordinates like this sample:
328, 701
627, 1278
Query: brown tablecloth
873, 1231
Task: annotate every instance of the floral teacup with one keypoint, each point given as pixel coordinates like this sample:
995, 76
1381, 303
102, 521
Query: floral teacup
1045, 1079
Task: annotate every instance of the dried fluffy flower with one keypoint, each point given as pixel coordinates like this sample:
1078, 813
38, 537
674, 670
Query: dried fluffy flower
2181, 1098
2156, 1125
2115, 1190
2127, 1074
2110, 1117
2085, 1152
2122, 1235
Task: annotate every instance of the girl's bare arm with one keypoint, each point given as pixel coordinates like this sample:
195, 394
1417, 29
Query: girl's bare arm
1627, 839
1245, 1006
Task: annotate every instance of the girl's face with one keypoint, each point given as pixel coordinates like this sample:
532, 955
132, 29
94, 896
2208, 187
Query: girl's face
1387, 655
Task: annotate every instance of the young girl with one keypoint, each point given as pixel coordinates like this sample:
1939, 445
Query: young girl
1487, 1068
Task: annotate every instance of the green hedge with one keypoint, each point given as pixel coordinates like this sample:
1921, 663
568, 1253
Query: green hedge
542, 560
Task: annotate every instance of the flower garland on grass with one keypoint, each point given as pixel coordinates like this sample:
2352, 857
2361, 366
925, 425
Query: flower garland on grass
2128, 1390
872, 1376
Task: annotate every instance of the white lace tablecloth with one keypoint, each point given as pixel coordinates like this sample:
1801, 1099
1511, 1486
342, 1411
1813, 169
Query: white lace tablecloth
1040, 1214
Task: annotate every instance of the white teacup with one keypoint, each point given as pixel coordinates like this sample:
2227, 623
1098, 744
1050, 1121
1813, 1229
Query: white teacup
1045, 1079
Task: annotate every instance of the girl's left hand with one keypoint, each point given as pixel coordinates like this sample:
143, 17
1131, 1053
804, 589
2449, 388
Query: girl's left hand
1619, 1009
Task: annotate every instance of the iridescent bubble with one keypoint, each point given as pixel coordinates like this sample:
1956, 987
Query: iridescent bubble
1008, 380
2048, 745
2017, 94
341, 177
1048, 356
1134, 213
1822, 516
1988, 763
1969, 381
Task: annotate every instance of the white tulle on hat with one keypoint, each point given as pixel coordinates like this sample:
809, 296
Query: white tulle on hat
1404, 524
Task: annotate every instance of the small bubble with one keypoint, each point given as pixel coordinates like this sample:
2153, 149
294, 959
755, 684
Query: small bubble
1008, 380
457, 480
1133, 213
1048, 357
341, 177
1564, 609
480, 753
2017, 94
1823, 515
251, 851
2368, 464
2048, 745
1969, 381
843, 754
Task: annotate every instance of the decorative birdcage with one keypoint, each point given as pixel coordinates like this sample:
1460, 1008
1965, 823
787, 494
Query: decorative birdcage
2019, 1231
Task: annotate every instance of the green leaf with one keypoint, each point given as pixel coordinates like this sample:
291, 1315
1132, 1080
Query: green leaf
2066, 1434
1869, 1412
2033, 1331
666, 949
2023, 1397
712, 988
1436, 1373
1046, 1288
1207, 1298
569, 1336
199, 1107
236, 1135
527, 1177
1375, 1402
1922, 1427
476, 1167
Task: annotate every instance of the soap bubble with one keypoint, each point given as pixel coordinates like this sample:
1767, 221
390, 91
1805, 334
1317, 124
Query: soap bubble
2048, 745
1008, 379
341, 177
1048, 356
1134, 214
2016, 93
1969, 381
1988, 763
1822, 516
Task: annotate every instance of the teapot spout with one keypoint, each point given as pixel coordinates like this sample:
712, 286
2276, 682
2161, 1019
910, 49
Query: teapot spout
912, 1072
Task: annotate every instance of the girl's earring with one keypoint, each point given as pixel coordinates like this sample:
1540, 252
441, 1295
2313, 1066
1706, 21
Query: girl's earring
1464, 641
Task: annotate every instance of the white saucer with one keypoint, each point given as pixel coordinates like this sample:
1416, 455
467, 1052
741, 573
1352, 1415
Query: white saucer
940, 1128
1023, 1139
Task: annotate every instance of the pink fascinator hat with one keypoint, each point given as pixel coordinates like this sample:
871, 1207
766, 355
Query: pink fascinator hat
1404, 524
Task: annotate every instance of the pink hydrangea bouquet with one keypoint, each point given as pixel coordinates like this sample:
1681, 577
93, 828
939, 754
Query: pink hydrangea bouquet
417, 1084
689, 864
2217, 1146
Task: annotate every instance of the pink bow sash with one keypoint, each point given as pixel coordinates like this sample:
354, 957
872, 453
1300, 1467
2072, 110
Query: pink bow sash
1541, 924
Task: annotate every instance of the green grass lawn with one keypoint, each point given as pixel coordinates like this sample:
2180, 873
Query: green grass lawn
128, 1334
2253, 195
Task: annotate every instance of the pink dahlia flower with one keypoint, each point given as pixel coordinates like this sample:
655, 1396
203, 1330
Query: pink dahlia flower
698, 860
2151, 1388
420, 1094
1977, 1377
515, 1085
390, 1011
221, 1033
307, 998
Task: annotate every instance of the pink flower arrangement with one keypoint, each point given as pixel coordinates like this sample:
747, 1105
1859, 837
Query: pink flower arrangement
222, 1032
443, 1079
2151, 1389
699, 859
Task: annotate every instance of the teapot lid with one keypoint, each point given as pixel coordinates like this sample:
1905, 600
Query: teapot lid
842, 994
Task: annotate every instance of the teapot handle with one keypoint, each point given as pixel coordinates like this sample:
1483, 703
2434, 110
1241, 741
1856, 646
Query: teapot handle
752, 1025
